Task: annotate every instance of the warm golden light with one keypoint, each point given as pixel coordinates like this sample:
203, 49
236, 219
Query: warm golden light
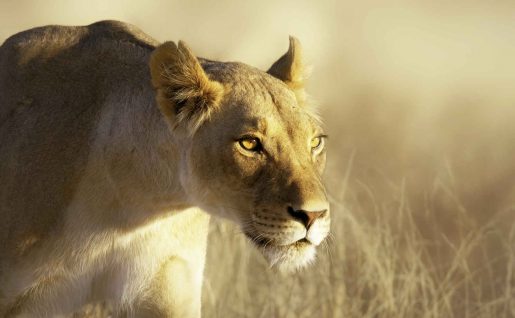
419, 100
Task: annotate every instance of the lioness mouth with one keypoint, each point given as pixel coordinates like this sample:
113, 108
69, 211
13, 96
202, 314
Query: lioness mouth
302, 242
264, 243
287, 257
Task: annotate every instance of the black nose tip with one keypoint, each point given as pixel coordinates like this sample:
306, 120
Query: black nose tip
306, 217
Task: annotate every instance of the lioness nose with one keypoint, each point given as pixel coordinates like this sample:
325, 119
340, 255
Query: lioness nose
306, 217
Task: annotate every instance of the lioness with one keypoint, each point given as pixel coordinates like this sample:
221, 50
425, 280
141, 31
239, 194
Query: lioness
115, 151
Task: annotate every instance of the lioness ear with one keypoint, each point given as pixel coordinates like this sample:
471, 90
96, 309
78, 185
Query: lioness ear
290, 69
185, 94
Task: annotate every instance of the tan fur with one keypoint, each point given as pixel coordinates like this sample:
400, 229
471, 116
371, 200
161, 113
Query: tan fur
179, 78
291, 70
106, 194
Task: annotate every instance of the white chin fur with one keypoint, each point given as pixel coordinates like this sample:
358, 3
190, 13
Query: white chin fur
289, 258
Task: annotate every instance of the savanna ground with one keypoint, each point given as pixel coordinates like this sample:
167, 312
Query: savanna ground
419, 103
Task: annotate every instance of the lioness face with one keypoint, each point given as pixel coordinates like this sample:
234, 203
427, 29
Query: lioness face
257, 159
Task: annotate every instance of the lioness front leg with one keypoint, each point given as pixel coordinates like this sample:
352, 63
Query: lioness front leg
175, 291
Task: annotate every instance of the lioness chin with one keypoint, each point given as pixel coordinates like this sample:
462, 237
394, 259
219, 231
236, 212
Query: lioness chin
114, 152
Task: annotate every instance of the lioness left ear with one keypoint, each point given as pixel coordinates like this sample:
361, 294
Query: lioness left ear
290, 69
185, 94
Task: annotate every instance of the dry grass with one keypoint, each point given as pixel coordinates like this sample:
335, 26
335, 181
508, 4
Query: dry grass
376, 266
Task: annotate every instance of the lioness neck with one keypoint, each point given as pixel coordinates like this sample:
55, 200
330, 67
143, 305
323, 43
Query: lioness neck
135, 161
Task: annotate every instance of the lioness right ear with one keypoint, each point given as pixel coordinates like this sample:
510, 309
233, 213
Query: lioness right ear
185, 94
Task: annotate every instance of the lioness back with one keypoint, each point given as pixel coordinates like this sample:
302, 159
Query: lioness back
54, 83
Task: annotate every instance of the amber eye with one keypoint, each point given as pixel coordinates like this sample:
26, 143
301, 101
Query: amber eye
316, 142
250, 144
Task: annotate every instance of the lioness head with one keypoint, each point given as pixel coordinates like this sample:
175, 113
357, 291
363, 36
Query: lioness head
251, 149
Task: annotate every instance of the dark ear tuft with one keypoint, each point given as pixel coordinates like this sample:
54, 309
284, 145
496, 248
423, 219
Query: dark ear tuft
185, 94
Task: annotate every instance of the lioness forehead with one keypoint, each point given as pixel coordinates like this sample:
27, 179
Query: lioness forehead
259, 97
247, 82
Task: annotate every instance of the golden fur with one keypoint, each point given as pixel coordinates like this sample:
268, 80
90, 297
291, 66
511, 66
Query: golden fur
104, 191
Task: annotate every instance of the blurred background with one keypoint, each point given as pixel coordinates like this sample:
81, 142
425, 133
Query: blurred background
419, 103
